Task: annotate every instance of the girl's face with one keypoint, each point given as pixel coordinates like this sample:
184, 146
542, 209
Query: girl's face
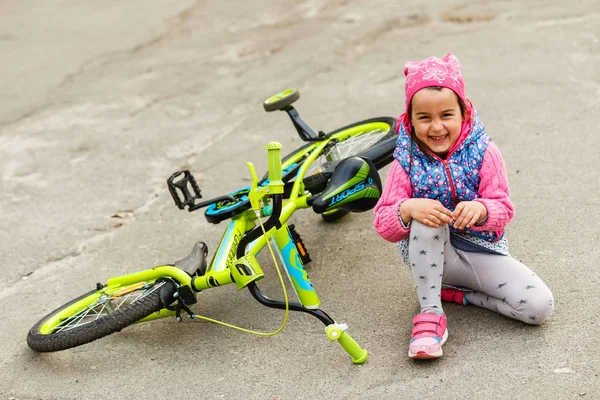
437, 118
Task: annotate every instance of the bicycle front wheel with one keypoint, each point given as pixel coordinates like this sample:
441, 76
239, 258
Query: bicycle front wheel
373, 138
94, 315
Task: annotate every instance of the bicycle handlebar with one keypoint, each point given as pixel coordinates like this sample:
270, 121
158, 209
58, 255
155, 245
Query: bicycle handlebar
335, 332
275, 186
256, 194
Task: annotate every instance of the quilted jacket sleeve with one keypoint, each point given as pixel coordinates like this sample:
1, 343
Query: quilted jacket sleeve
396, 190
493, 192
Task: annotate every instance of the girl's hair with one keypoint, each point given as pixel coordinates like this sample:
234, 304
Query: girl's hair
422, 146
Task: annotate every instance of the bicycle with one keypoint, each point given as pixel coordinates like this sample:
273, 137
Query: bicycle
334, 174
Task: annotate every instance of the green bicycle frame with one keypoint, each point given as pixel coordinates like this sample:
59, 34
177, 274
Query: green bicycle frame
219, 272
226, 268
285, 246
225, 259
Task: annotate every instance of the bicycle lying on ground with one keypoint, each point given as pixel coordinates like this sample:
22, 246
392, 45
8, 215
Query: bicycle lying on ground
334, 174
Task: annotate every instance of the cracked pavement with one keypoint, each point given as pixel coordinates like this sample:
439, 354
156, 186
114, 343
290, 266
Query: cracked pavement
101, 103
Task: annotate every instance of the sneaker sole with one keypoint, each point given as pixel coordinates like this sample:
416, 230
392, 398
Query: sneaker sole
423, 355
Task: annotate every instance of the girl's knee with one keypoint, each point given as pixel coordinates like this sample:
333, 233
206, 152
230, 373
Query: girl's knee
419, 229
538, 309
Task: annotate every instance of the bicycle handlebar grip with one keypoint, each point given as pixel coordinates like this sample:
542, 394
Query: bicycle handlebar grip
274, 159
358, 354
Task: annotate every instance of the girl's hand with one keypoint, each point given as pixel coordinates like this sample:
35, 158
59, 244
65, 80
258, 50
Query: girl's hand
467, 213
427, 211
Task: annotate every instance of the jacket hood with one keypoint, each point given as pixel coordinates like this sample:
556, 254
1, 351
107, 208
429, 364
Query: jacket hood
467, 133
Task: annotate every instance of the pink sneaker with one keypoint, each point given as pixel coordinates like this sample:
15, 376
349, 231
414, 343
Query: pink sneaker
428, 335
454, 295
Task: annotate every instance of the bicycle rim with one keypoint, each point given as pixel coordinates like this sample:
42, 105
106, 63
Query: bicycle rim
96, 305
349, 142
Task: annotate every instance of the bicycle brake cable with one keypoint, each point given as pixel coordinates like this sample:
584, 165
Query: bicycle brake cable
285, 296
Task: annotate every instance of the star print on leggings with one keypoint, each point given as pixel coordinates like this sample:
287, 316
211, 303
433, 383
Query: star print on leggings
532, 317
434, 265
423, 252
436, 237
414, 238
529, 287
500, 286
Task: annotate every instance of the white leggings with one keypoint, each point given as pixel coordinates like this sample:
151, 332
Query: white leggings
496, 282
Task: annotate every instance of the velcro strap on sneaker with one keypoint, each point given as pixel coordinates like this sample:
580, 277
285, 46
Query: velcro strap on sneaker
427, 317
427, 327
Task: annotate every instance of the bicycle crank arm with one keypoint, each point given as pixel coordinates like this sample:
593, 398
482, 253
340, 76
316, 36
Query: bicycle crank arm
187, 188
212, 201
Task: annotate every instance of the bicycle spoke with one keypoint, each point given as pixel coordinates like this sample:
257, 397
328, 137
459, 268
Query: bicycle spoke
75, 320
360, 141
103, 307
347, 148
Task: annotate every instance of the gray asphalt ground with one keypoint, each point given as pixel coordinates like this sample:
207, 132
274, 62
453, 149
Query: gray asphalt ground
101, 101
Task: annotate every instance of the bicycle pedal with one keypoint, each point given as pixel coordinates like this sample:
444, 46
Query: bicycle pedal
302, 252
185, 186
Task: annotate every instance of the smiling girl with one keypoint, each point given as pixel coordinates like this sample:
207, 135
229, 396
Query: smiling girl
446, 203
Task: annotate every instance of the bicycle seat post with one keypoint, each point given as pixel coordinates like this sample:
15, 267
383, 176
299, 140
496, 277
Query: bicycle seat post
304, 130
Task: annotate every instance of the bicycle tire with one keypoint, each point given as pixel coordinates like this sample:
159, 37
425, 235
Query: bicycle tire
316, 182
332, 216
45, 337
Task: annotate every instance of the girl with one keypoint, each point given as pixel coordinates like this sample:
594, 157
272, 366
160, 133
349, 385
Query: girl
446, 203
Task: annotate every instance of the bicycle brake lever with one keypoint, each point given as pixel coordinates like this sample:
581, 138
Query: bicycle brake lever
256, 193
253, 173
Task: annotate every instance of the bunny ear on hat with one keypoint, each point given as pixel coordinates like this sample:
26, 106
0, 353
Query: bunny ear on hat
434, 72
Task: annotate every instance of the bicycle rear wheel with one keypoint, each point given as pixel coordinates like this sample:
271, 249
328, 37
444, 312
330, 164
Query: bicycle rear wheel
373, 138
94, 315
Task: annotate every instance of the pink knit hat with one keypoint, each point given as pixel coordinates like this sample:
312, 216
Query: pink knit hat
434, 72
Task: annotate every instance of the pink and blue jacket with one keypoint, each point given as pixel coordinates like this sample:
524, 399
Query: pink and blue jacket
473, 170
